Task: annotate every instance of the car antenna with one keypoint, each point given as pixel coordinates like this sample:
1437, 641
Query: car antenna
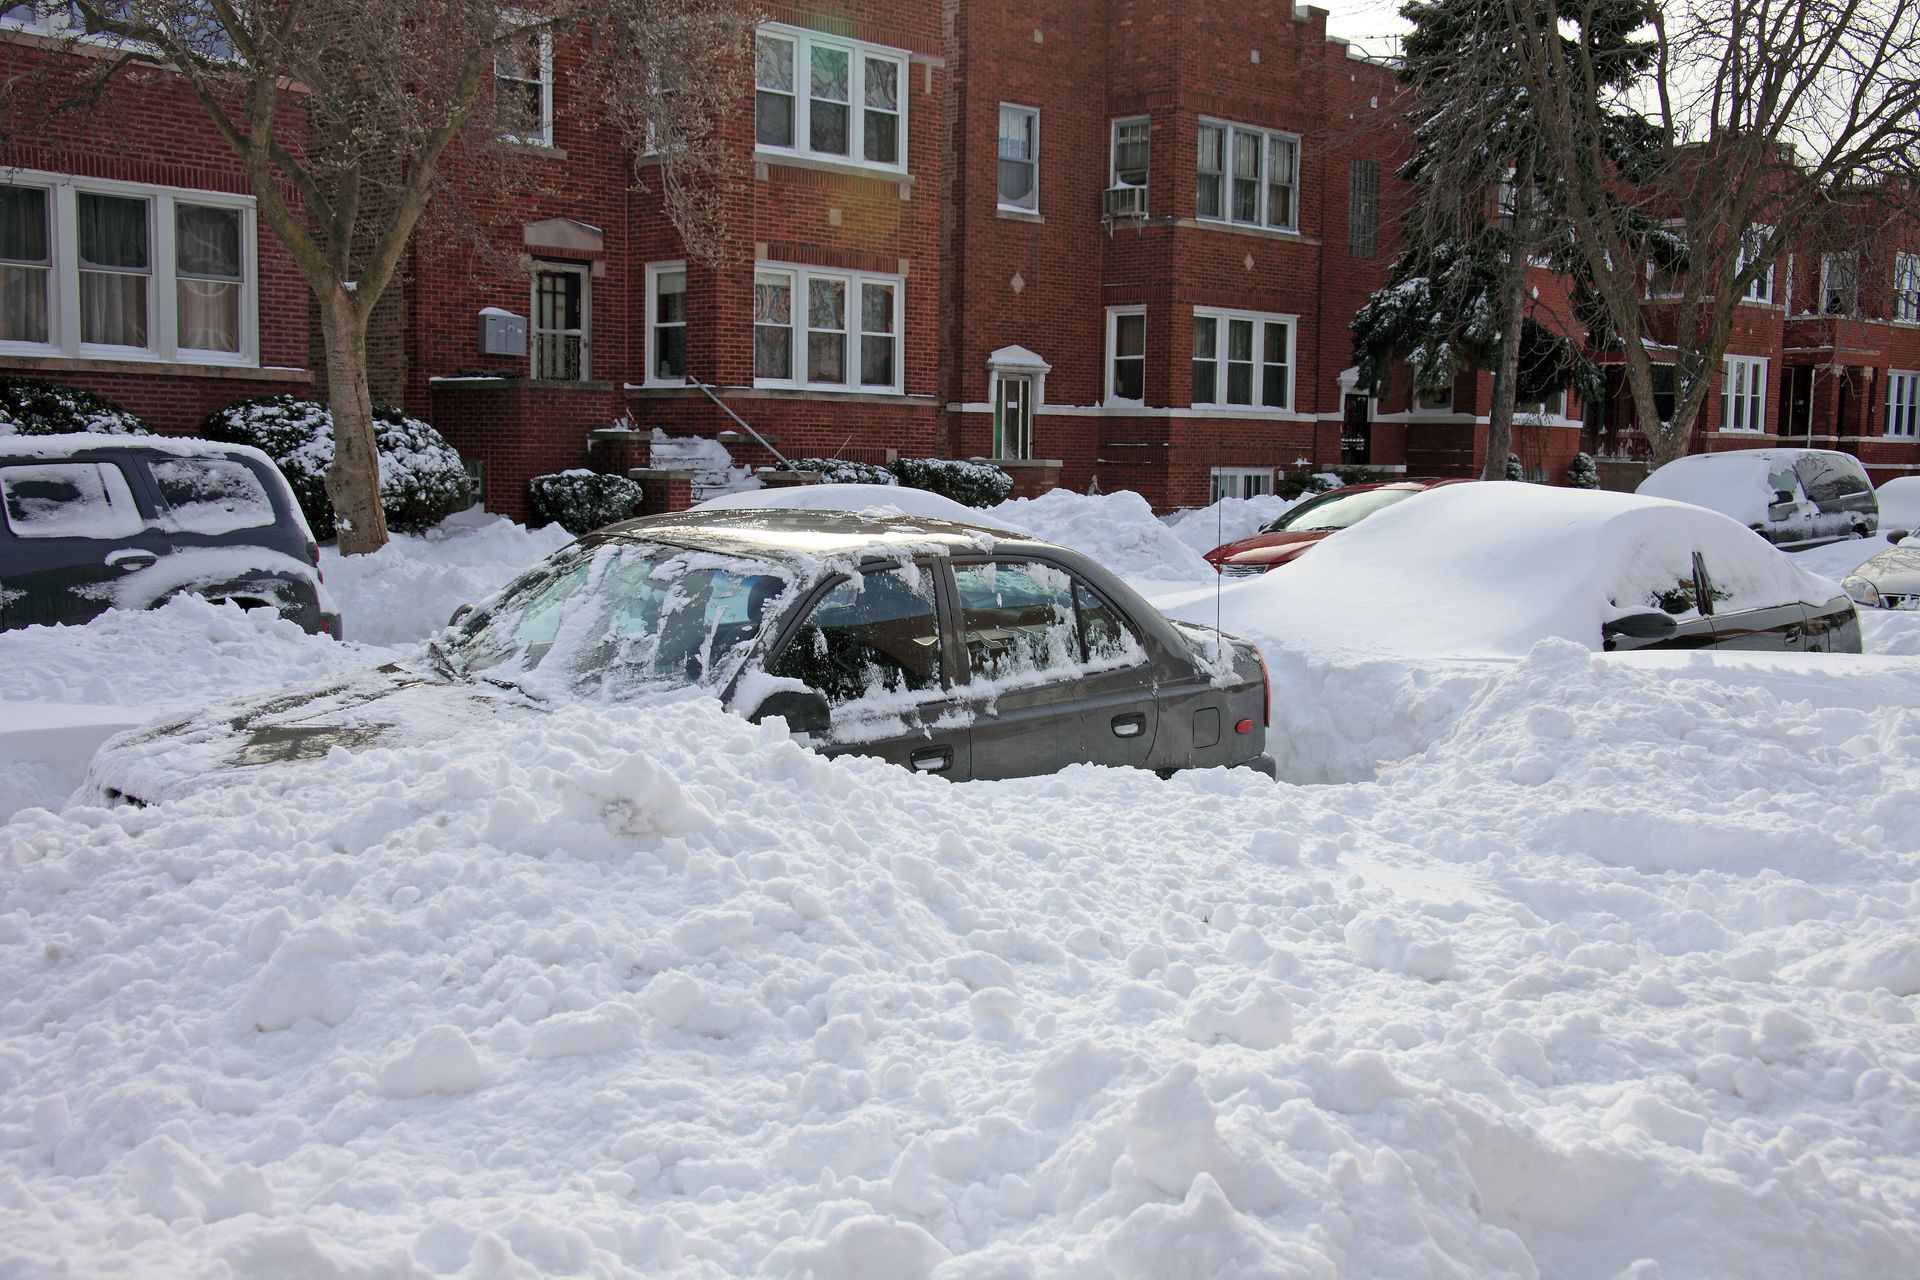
1219, 539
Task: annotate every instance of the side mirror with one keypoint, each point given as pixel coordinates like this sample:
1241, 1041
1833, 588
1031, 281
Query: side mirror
1637, 630
458, 614
1896, 535
1781, 495
804, 711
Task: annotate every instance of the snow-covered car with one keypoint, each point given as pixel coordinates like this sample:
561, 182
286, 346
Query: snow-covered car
1302, 528
94, 522
1890, 580
1490, 569
1793, 498
952, 649
1899, 507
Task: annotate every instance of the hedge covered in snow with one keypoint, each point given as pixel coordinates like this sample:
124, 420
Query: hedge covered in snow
29, 407
581, 501
422, 480
1583, 472
972, 484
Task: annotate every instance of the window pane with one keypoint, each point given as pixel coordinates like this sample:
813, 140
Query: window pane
870, 636
1017, 157
830, 71
208, 315
211, 495
773, 63
1213, 142
1246, 176
1273, 389
1018, 620
826, 331
1131, 150
1280, 156
67, 500
772, 119
1131, 334
113, 232
23, 224
1205, 368
773, 327
827, 128
25, 274
113, 309
773, 104
881, 80
671, 286
208, 241
826, 304
876, 308
882, 138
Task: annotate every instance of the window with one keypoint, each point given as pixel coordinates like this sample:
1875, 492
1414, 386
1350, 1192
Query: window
92, 268
523, 89
1024, 621
1241, 482
852, 110
210, 495
1132, 152
1553, 406
1248, 175
1752, 245
1743, 390
41, 17
1840, 284
69, 500
1013, 416
1906, 285
846, 336
561, 315
1363, 209
1127, 355
1903, 404
1019, 158
1242, 359
667, 322
876, 634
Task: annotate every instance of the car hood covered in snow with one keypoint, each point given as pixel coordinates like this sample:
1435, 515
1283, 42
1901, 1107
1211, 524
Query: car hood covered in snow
391, 707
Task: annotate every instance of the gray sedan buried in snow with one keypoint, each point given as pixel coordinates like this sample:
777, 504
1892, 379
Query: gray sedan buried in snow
947, 648
1891, 580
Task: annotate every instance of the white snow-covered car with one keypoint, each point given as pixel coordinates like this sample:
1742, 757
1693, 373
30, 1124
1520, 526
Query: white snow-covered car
1793, 498
1489, 569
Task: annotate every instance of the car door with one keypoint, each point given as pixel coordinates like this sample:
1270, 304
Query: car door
74, 529
1777, 627
1055, 673
871, 643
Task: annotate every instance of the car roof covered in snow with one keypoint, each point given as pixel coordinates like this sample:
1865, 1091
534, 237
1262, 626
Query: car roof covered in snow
87, 443
782, 533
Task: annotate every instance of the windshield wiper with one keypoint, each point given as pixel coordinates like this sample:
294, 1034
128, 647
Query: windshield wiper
442, 658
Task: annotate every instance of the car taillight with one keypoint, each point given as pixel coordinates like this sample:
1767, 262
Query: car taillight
313, 555
1266, 689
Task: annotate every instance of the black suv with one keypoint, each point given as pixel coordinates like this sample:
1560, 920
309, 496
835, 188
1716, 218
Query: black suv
96, 522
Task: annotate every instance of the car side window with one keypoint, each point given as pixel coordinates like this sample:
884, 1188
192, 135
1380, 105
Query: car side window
1021, 618
875, 633
1827, 480
210, 495
69, 500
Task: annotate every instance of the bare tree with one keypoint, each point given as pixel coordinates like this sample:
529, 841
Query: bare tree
1764, 118
407, 105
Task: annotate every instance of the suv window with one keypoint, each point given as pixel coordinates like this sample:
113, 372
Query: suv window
210, 495
877, 633
69, 500
1828, 479
1020, 618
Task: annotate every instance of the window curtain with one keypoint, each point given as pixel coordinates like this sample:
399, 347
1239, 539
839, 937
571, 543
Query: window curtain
207, 260
114, 266
24, 264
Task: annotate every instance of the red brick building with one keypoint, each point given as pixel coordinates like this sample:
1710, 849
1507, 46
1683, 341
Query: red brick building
1100, 241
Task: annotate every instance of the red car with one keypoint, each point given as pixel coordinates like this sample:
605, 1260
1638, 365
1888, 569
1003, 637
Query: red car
1287, 538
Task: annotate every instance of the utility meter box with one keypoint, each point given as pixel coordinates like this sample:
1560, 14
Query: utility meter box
502, 333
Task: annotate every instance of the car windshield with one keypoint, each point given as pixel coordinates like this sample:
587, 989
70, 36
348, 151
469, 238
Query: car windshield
614, 620
1338, 510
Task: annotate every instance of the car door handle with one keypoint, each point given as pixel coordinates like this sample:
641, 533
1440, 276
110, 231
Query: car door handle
1130, 725
932, 759
130, 558
1794, 635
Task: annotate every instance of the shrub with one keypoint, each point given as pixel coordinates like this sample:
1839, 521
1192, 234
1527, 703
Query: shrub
582, 501
1295, 484
422, 480
1582, 473
1514, 470
972, 484
836, 471
29, 407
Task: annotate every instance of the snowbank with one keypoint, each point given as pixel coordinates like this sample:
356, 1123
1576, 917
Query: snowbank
1119, 529
1900, 503
1229, 520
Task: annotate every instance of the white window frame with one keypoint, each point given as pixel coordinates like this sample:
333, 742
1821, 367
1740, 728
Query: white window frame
1827, 263
56, 20
557, 266
163, 304
1032, 115
1903, 404
1113, 152
543, 136
1752, 244
1263, 215
798, 280
1261, 476
1113, 328
654, 271
1743, 412
1906, 286
1260, 320
804, 41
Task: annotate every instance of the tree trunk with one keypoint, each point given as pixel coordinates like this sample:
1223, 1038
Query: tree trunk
353, 481
1513, 307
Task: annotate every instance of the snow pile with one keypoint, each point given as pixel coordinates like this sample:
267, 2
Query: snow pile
714, 472
871, 499
1229, 520
1900, 503
1118, 529
1614, 979
406, 590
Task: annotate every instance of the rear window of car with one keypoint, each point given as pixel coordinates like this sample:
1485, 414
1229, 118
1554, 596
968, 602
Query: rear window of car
1826, 479
68, 500
210, 495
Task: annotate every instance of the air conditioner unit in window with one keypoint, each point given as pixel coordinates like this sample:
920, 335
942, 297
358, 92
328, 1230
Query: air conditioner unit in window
1124, 202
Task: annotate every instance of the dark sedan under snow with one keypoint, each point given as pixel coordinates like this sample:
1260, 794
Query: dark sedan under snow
947, 648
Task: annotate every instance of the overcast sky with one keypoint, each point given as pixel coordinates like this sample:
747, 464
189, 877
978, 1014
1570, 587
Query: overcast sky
1374, 25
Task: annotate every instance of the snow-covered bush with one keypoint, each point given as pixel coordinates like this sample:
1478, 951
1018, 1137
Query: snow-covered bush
1582, 472
1296, 484
972, 484
1514, 470
29, 407
422, 480
581, 501
839, 471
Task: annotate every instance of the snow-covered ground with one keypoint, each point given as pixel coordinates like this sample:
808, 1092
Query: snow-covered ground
1582, 967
